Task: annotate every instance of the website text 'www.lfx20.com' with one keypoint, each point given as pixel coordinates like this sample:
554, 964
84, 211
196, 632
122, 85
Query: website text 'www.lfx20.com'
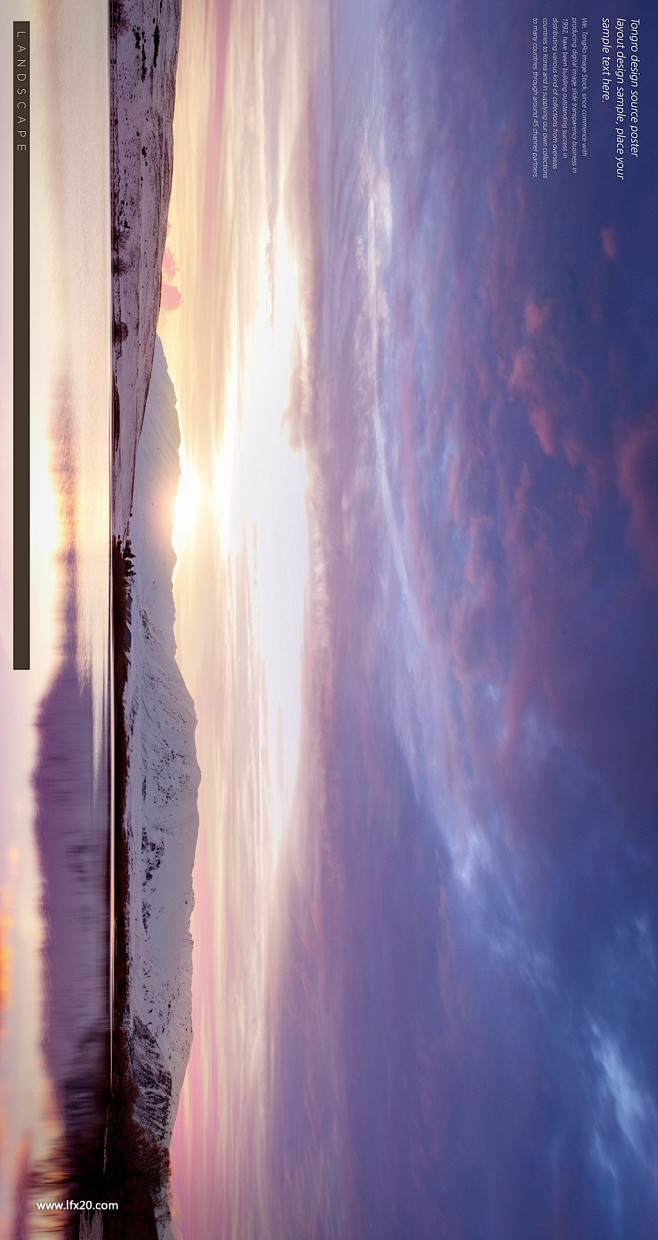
76, 1205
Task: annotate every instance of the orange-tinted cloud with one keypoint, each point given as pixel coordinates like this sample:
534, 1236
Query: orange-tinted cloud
169, 265
536, 316
170, 296
610, 243
638, 483
540, 422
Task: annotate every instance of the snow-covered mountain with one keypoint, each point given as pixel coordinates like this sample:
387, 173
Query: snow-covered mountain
161, 818
144, 38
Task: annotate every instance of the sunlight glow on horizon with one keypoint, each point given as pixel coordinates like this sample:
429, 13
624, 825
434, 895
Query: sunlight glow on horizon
186, 504
235, 350
259, 501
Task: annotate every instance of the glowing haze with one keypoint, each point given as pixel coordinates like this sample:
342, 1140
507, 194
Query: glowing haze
241, 536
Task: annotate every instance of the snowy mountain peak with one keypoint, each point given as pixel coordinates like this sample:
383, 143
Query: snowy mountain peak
161, 818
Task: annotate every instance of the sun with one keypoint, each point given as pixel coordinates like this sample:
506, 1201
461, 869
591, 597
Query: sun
186, 505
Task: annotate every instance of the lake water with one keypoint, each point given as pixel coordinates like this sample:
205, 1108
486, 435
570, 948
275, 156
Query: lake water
56, 756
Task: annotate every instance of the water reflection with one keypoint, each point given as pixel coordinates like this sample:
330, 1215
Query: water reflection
72, 813
54, 738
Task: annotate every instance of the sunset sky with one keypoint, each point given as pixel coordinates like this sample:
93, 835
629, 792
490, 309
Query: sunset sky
416, 597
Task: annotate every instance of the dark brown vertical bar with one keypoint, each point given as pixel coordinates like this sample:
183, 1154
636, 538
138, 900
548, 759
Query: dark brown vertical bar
21, 140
